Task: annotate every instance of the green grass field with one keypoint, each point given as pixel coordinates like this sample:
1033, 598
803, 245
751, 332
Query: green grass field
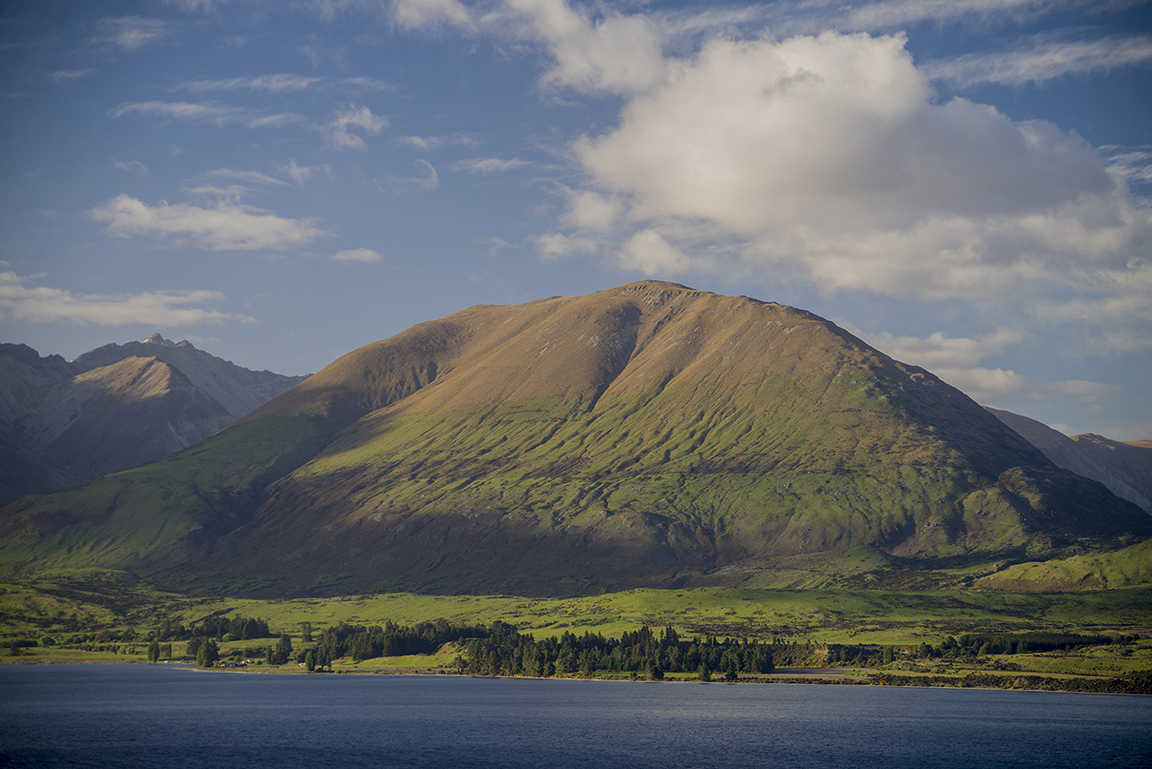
68, 603
104, 617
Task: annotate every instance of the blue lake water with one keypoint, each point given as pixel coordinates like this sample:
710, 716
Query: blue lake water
156, 716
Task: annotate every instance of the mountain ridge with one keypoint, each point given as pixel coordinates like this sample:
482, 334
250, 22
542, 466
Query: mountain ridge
237, 389
650, 435
1125, 468
112, 408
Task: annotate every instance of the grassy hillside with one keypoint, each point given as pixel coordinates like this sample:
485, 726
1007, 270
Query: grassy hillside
646, 436
68, 602
170, 511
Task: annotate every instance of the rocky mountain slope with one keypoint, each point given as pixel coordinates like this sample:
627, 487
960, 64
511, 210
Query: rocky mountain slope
647, 435
116, 407
1125, 468
237, 389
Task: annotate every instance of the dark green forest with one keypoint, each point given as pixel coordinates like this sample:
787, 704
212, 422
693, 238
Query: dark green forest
505, 651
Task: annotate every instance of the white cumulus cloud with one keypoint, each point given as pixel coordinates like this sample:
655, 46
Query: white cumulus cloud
830, 153
591, 210
614, 54
648, 252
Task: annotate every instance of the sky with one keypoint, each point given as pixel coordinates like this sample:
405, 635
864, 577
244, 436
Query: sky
964, 184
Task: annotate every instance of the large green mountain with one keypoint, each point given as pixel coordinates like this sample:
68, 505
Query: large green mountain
647, 435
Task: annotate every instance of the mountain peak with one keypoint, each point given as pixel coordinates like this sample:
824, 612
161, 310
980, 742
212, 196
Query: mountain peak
157, 339
646, 435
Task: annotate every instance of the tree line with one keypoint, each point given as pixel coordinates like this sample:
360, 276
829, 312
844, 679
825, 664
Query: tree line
391, 640
238, 628
500, 649
506, 651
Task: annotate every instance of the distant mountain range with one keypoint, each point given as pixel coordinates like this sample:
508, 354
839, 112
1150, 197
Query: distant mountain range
650, 435
1125, 468
113, 408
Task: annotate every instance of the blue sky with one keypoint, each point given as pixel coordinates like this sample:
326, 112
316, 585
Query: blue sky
963, 183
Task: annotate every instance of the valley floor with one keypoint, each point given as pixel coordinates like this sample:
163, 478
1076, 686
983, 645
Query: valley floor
109, 618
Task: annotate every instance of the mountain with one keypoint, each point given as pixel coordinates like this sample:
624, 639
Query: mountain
115, 407
646, 435
237, 389
1125, 468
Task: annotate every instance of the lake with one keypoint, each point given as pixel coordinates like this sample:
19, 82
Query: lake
143, 716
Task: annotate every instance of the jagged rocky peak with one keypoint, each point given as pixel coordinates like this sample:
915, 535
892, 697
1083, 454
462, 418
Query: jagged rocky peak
157, 339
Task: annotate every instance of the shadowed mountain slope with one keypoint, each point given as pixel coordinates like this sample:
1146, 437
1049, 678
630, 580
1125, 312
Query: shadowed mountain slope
646, 435
113, 408
55, 433
1124, 468
238, 390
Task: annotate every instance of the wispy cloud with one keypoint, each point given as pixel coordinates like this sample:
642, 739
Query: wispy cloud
211, 112
192, 6
301, 174
67, 75
327, 10
432, 142
349, 117
1044, 60
894, 14
131, 33
41, 304
430, 180
224, 226
281, 83
368, 84
214, 194
487, 165
556, 245
366, 255
286, 83
252, 177
131, 166
413, 14
1131, 165
427, 181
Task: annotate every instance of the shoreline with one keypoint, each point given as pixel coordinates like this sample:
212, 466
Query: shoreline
1136, 685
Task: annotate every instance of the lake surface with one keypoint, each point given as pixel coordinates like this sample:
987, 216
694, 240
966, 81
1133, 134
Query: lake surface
157, 716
